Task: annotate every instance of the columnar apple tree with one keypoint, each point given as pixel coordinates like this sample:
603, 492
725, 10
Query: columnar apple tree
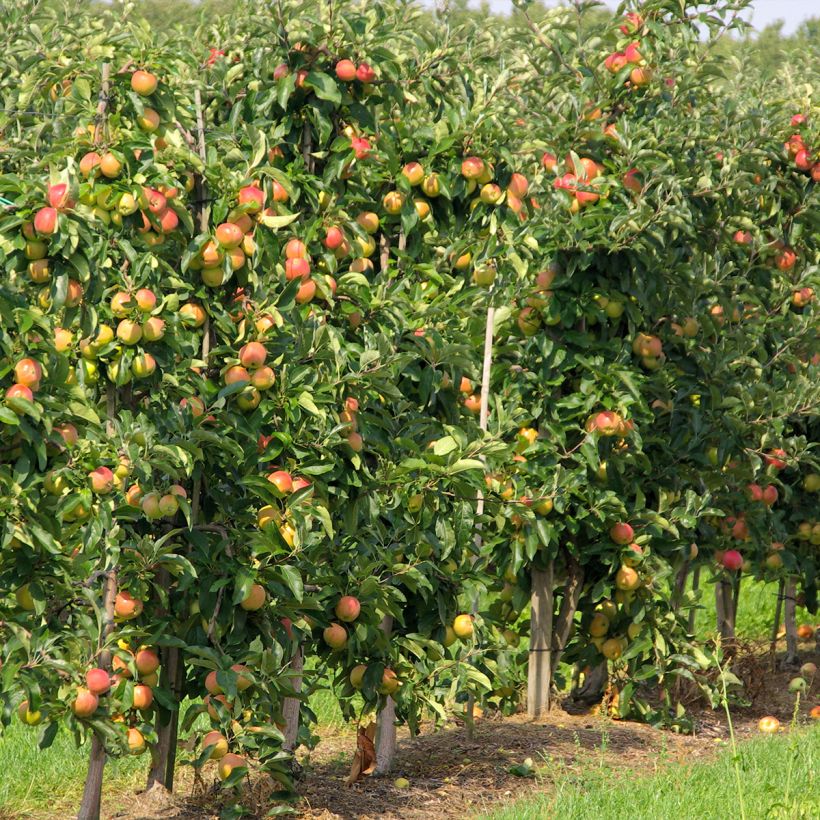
247, 278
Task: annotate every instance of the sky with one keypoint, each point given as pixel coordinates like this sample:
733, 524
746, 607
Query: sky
792, 12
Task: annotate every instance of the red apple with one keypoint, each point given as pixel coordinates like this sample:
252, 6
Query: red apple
147, 661
621, 533
28, 372
348, 608
253, 354
46, 221
59, 196
255, 599
102, 480
282, 480
98, 681
127, 607
143, 696
365, 74
252, 198
346, 71
732, 560
144, 83
85, 703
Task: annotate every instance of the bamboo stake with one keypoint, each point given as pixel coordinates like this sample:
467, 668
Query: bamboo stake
483, 423
91, 801
292, 706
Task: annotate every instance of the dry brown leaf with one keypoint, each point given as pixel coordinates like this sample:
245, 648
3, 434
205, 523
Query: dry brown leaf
364, 761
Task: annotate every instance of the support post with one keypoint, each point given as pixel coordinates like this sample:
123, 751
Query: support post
386, 721
539, 671
792, 659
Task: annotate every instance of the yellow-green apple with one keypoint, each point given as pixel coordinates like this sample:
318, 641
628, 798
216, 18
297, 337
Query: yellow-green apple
627, 579
218, 742
357, 676
136, 741
27, 716
228, 763
463, 626
413, 172
390, 683
143, 365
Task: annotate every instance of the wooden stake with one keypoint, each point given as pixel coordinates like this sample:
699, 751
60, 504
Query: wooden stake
386, 721
792, 659
778, 608
539, 669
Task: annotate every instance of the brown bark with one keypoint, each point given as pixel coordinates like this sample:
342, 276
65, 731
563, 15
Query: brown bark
92, 792
693, 611
291, 705
594, 685
569, 605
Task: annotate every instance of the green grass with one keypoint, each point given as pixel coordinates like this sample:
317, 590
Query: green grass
755, 614
49, 783
778, 774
